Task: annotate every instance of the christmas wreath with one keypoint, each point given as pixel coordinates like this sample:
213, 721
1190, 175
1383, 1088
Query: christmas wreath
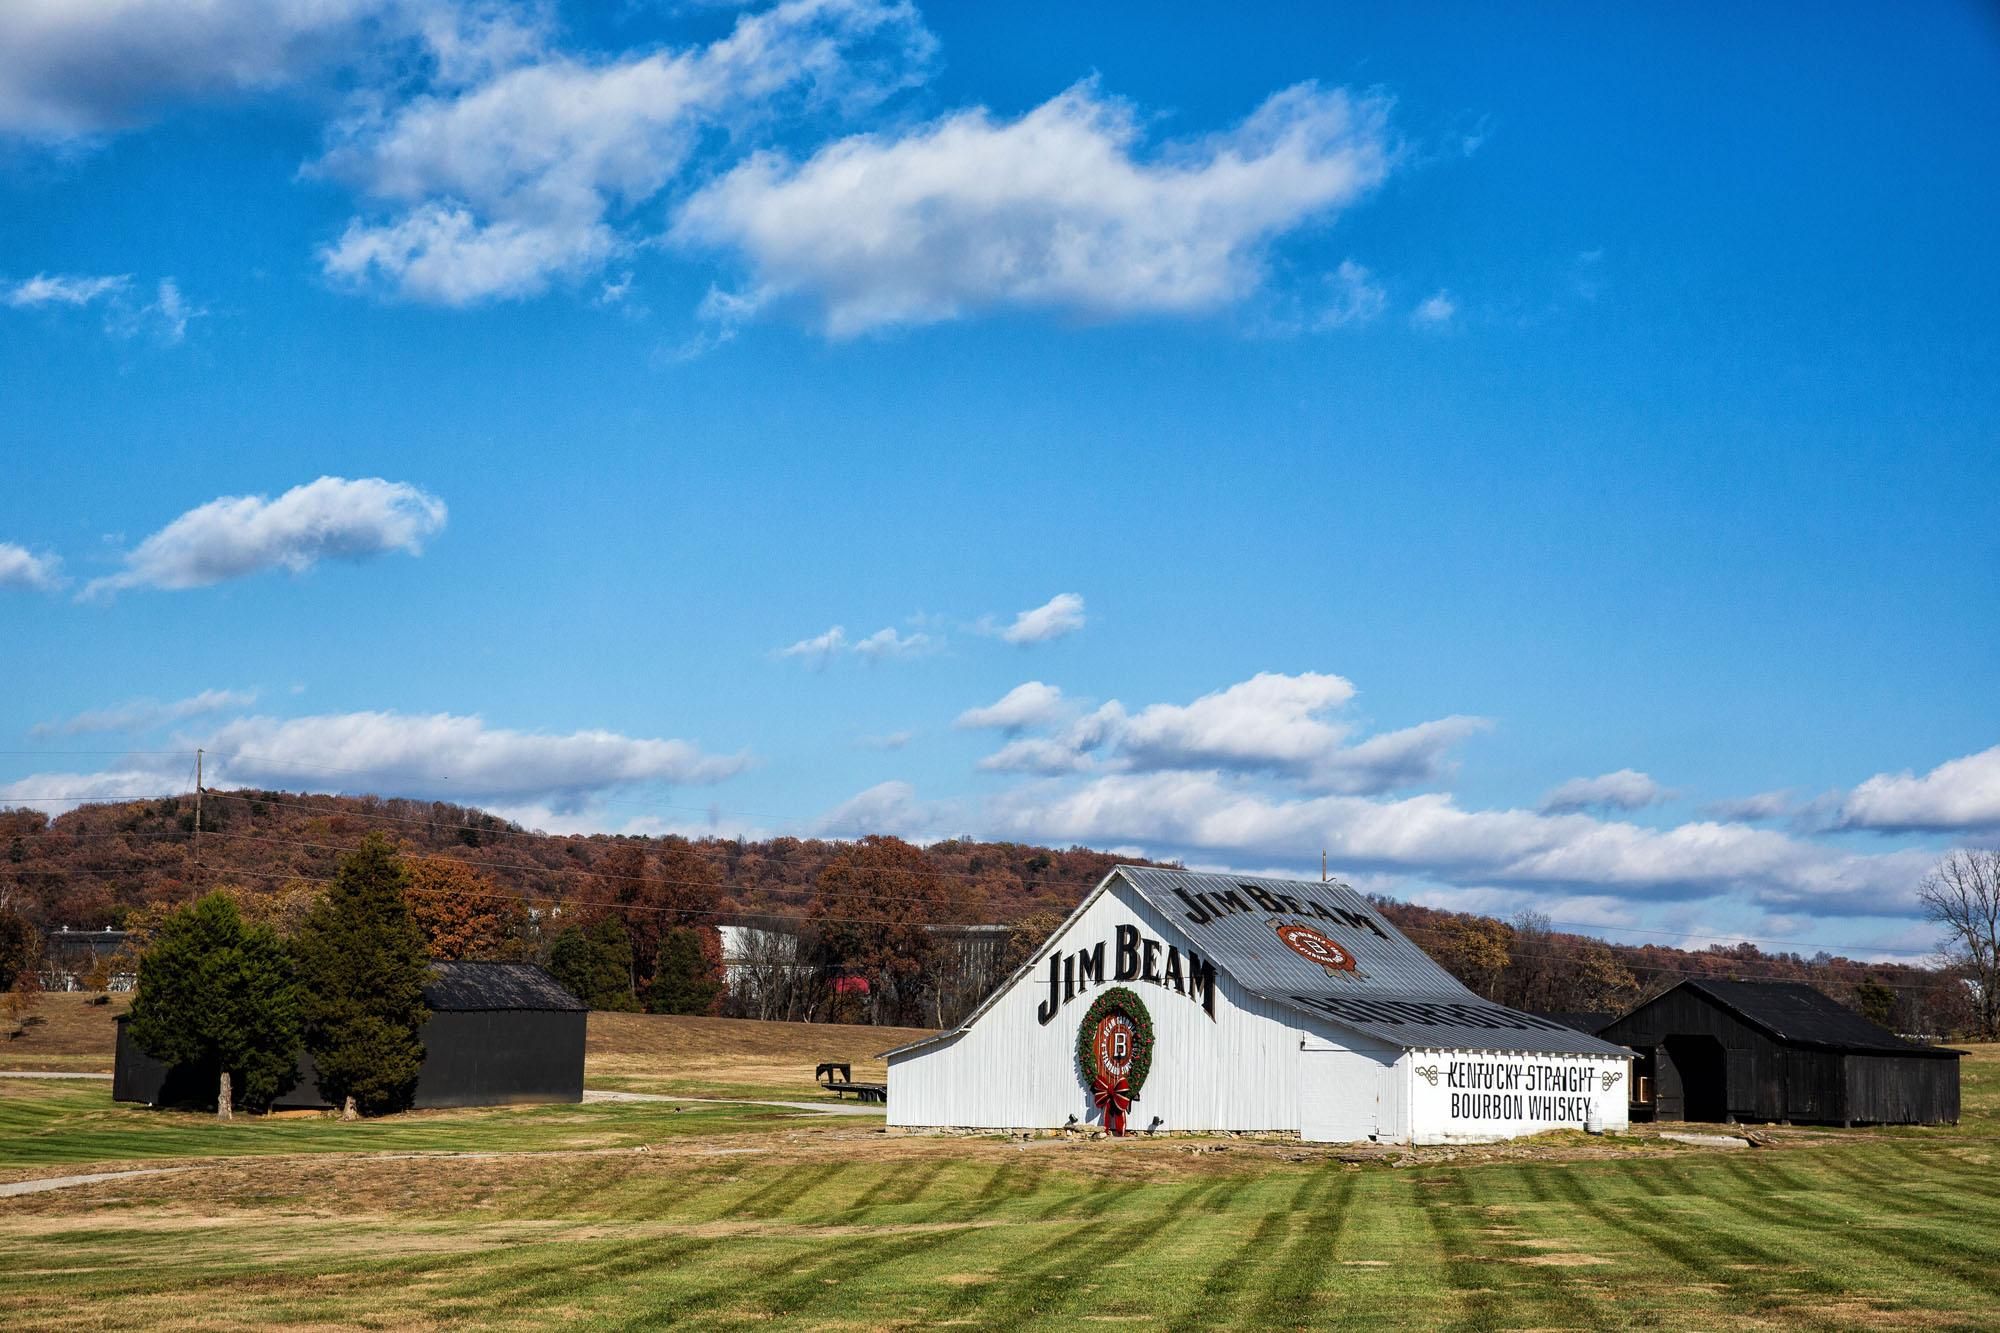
1117, 1000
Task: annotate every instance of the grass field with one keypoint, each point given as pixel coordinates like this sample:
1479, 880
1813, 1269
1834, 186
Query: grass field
638, 1215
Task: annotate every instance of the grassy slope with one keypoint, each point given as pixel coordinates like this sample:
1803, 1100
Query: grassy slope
734, 1217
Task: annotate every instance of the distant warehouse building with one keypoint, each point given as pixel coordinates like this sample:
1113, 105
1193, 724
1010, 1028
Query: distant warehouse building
1179, 1001
498, 1033
1778, 1051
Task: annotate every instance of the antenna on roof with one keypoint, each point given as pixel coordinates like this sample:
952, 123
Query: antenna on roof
1322, 865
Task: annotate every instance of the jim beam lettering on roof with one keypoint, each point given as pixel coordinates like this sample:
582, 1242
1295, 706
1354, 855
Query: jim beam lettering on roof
1206, 906
1133, 957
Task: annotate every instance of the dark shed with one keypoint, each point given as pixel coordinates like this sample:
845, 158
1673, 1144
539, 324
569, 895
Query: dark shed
1778, 1051
498, 1033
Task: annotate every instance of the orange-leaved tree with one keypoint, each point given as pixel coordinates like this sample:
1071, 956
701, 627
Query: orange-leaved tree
462, 914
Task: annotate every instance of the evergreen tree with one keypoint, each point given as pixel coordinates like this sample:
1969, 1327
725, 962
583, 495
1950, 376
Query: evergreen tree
594, 963
217, 999
362, 968
689, 976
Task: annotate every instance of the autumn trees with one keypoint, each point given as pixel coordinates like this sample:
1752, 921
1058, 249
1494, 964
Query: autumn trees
462, 914
869, 922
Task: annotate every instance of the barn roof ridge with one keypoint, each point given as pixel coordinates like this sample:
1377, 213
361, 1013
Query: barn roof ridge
1386, 989
466, 985
1799, 1013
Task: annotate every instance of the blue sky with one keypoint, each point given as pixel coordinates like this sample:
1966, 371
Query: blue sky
1546, 464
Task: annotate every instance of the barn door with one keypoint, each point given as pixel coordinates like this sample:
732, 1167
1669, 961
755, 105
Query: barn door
1337, 1096
1742, 1084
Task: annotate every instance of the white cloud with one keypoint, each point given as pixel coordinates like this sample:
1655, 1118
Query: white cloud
22, 568
891, 740
1627, 789
883, 645
888, 807
332, 518
1752, 809
63, 289
1961, 794
1032, 704
528, 177
53, 793
1354, 297
73, 69
887, 643
167, 314
1055, 210
136, 715
1061, 614
1272, 724
1429, 834
819, 649
1436, 311
447, 754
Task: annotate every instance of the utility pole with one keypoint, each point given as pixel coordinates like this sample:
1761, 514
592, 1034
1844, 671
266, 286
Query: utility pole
197, 822
1322, 853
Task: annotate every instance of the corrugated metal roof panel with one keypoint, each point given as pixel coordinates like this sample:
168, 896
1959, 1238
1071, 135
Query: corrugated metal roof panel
1322, 948
458, 987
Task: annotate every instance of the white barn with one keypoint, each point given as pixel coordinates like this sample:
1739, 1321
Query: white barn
1184, 1002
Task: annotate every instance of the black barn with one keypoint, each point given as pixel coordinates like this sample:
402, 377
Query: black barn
1778, 1051
498, 1033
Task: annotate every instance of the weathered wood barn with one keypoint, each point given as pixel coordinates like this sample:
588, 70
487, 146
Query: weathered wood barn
1778, 1051
498, 1033
1178, 1001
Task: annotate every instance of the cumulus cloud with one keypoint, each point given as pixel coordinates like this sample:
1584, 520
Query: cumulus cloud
1061, 614
53, 793
1435, 312
137, 715
1432, 835
1032, 704
22, 568
78, 68
887, 643
888, 807
1273, 724
332, 518
69, 289
1752, 809
1958, 795
447, 753
884, 644
527, 177
1056, 210
889, 740
1627, 789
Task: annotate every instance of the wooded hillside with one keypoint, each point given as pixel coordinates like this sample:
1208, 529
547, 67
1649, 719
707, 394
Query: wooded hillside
93, 866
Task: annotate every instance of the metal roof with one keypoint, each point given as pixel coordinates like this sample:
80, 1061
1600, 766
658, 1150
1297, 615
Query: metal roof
1797, 1013
1373, 980
462, 987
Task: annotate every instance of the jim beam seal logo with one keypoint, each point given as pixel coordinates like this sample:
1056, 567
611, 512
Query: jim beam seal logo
1314, 947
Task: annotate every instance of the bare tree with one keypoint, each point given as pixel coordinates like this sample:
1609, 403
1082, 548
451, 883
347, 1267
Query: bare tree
1963, 896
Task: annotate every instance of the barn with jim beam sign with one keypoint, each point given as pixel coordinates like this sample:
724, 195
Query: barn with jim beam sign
1175, 1002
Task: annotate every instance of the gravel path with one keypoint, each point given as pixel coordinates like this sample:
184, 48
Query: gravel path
71, 1182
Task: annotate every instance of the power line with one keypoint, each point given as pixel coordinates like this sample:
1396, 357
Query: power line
571, 840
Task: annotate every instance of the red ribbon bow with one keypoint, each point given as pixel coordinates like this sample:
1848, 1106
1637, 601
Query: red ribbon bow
1113, 1097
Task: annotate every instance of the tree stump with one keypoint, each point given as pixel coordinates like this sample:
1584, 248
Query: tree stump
347, 1111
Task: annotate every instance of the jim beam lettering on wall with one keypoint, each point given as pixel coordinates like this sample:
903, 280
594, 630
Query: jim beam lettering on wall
1481, 1090
1131, 956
